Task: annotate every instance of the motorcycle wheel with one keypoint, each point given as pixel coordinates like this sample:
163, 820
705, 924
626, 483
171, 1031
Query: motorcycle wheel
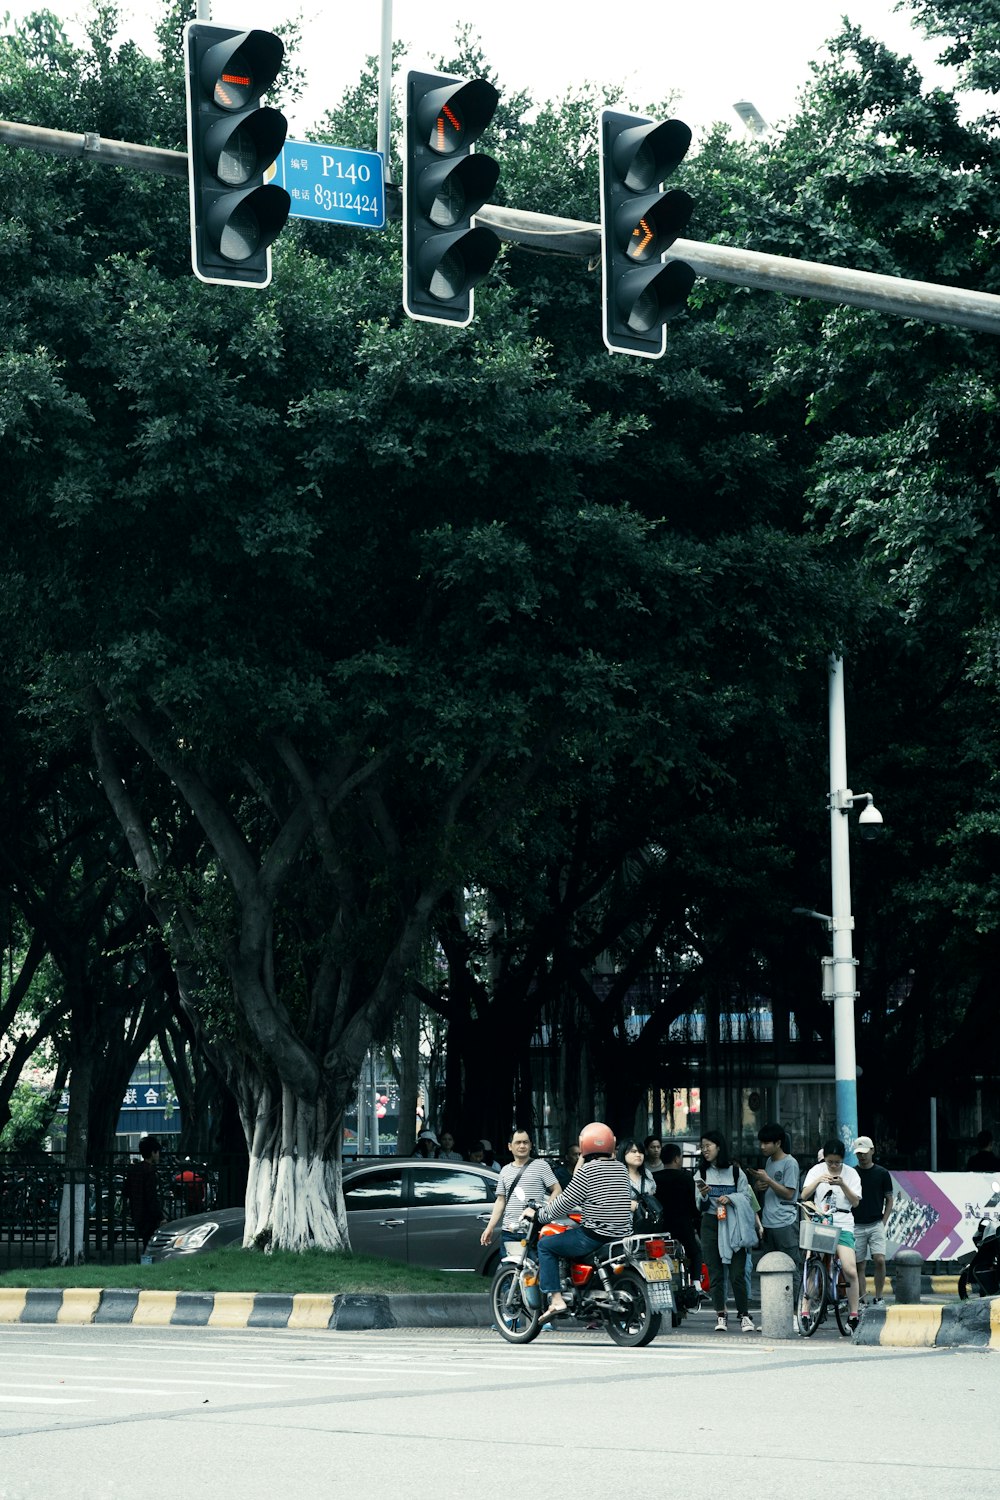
812, 1297
517, 1324
633, 1323
963, 1285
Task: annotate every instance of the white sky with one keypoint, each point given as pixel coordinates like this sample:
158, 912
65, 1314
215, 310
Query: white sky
710, 54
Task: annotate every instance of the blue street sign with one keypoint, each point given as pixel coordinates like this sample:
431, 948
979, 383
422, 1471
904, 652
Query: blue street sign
333, 184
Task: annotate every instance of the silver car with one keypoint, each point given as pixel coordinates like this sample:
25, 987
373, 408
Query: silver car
426, 1213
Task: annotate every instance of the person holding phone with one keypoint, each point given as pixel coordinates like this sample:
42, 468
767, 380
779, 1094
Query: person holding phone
721, 1189
836, 1189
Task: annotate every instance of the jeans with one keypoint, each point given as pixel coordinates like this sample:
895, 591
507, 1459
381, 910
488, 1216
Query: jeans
717, 1271
575, 1244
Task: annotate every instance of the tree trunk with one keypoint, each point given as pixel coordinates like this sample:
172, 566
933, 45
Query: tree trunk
294, 1198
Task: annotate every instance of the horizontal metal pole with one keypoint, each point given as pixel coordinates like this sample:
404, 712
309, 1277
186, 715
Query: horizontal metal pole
93, 147
546, 234
772, 273
808, 278
542, 232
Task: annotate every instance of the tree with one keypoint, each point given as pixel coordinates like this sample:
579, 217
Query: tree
881, 172
322, 672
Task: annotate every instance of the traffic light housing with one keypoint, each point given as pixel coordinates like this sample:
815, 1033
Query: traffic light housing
444, 184
232, 142
639, 222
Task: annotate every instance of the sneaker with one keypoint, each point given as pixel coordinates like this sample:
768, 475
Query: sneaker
853, 1321
720, 1323
878, 1302
746, 1324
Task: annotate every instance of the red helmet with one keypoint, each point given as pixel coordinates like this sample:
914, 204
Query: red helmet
597, 1140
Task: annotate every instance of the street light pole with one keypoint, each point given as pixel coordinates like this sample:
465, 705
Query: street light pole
842, 970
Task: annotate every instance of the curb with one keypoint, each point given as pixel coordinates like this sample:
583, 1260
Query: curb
971, 1325
944, 1286
345, 1311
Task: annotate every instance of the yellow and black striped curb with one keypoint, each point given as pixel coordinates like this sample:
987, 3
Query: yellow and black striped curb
343, 1310
941, 1286
974, 1325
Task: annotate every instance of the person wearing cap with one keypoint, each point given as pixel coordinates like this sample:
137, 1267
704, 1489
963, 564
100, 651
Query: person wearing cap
428, 1146
871, 1216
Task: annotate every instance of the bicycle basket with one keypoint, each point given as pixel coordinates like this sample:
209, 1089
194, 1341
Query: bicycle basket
820, 1238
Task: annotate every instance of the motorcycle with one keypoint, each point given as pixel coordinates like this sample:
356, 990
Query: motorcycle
627, 1286
982, 1274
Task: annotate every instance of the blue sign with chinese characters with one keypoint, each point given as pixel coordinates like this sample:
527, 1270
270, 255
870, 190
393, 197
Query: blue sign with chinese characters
333, 184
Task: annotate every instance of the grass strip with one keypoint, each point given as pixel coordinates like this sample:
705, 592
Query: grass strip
237, 1270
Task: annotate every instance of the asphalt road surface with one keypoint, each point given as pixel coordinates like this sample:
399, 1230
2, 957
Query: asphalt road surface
106, 1413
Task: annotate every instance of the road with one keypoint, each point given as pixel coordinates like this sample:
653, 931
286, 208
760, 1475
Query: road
105, 1413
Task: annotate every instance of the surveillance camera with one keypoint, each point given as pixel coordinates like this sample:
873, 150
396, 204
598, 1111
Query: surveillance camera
870, 822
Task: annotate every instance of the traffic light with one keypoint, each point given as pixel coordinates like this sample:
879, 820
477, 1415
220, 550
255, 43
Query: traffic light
444, 183
638, 223
232, 141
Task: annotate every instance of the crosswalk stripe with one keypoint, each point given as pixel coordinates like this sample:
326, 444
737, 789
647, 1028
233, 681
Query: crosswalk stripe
42, 1400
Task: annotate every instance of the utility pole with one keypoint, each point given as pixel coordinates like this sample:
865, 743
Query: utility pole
840, 982
844, 965
385, 87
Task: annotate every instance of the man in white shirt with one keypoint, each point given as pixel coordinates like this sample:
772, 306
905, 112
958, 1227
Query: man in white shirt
836, 1189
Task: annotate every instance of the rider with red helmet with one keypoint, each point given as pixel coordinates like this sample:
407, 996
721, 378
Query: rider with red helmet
601, 1191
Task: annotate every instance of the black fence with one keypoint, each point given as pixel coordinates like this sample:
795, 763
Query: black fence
50, 1212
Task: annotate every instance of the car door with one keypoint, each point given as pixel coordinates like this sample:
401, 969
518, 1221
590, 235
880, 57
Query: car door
375, 1218
448, 1207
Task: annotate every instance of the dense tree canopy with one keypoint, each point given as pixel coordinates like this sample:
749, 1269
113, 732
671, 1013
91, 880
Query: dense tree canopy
348, 612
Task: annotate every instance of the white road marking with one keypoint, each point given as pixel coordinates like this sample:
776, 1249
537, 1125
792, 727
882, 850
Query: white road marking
43, 1400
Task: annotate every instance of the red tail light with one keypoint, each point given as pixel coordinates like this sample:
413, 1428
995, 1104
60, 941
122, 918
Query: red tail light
655, 1249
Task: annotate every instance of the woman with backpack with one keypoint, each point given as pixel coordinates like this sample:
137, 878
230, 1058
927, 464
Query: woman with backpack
722, 1193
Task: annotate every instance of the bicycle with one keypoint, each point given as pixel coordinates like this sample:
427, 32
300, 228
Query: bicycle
823, 1280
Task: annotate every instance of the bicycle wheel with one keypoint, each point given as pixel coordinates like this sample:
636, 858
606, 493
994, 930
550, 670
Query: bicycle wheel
511, 1319
812, 1296
838, 1295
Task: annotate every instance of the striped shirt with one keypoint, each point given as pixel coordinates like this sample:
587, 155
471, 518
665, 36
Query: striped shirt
601, 1191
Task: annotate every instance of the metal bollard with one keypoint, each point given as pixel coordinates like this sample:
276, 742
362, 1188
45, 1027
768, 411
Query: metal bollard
907, 1269
777, 1295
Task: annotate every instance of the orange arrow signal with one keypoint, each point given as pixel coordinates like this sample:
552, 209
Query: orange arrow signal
453, 120
649, 235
